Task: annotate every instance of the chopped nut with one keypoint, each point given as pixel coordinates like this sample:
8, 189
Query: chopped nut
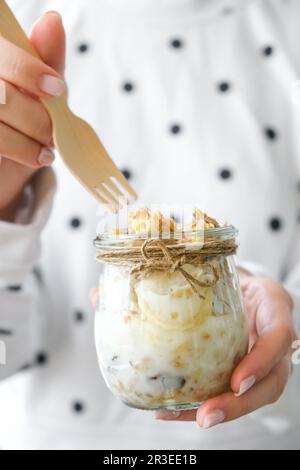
206, 336
143, 221
178, 364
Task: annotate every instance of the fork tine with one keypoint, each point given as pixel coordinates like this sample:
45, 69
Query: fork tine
102, 201
114, 188
107, 195
123, 182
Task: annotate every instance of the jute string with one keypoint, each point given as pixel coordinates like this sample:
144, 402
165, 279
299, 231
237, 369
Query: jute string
167, 256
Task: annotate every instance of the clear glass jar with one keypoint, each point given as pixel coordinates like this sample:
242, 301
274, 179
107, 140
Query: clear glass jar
161, 345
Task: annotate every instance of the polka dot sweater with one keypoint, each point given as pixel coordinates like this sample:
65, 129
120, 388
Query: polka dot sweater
198, 102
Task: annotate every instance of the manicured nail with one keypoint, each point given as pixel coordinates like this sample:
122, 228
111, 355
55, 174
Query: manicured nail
2, 92
54, 13
51, 85
245, 385
167, 415
213, 418
46, 157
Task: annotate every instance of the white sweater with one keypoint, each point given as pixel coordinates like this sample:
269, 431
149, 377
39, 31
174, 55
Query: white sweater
198, 101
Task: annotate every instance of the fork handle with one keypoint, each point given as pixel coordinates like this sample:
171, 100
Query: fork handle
11, 30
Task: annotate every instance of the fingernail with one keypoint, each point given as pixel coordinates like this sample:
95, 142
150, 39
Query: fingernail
42, 16
46, 157
2, 92
245, 385
54, 13
213, 418
167, 415
51, 85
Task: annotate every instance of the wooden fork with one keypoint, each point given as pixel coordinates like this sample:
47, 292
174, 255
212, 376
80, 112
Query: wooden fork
78, 145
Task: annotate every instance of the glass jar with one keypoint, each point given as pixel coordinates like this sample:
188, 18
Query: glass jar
160, 343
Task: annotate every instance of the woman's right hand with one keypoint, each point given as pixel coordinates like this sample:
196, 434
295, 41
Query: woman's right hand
25, 126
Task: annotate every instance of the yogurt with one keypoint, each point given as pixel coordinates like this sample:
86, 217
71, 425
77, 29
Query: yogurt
161, 344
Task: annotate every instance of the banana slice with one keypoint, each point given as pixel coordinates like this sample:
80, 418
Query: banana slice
167, 300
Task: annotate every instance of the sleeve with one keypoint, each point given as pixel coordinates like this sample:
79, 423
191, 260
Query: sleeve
254, 269
19, 288
287, 15
291, 278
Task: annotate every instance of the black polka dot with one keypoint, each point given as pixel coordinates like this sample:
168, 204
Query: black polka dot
271, 133
79, 317
75, 222
5, 332
223, 87
128, 87
225, 174
16, 288
127, 173
268, 51
275, 224
83, 48
78, 407
175, 129
41, 358
176, 43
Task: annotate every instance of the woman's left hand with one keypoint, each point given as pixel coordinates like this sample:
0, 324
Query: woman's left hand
261, 377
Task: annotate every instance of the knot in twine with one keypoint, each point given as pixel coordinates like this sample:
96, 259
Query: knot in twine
172, 263
168, 261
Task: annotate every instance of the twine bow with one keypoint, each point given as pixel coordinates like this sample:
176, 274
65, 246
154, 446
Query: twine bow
170, 263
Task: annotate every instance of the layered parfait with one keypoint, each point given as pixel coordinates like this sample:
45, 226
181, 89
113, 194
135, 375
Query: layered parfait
161, 343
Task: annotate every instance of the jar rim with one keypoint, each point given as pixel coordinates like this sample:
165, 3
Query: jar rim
227, 232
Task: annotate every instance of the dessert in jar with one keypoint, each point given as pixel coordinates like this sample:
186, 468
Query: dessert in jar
170, 325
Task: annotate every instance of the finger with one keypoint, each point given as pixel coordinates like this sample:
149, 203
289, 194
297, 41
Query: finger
93, 295
21, 175
228, 407
269, 349
176, 415
27, 72
49, 40
22, 149
26, 115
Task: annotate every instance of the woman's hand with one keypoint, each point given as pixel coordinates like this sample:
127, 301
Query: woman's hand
25, 127
261, 377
